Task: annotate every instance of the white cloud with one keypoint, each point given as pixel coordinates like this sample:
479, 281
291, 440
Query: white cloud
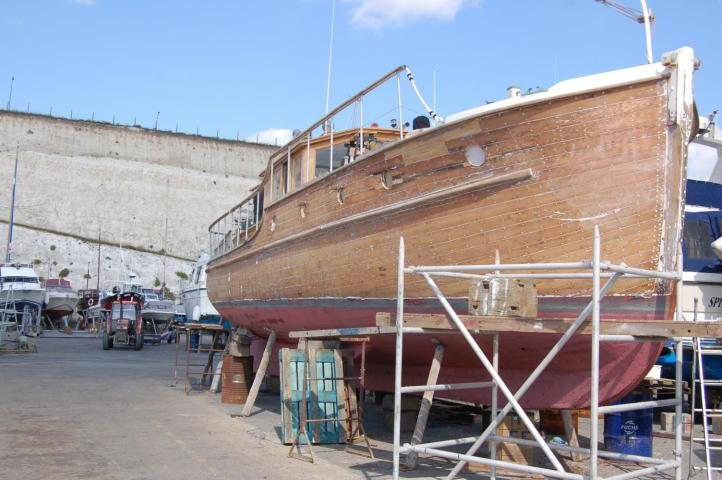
272, 136
376, 14
84, 3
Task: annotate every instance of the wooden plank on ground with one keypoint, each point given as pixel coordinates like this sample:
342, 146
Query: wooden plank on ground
478, 324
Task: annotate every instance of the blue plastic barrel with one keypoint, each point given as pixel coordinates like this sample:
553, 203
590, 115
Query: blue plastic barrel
630, 432
194, 341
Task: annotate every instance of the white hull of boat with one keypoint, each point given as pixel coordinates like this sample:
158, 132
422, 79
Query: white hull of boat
60, 304
28, 295
159, 311
197, 304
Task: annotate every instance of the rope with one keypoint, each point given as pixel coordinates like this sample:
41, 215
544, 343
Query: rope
431, 112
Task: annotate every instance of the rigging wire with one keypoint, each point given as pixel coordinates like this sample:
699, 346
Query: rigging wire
330, 54
645, 16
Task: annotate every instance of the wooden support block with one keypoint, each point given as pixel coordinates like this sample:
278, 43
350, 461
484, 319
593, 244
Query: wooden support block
492, 324
667, 421
504, 297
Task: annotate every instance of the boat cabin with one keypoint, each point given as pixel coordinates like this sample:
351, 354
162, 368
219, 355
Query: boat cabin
303, 162
18, 274
312, 159
313, 154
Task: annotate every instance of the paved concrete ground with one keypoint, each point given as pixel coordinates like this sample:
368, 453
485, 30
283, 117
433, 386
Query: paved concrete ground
73, 411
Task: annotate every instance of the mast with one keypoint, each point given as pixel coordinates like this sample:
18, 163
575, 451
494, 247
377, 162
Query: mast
8, 247
97, 287
165, 250
330, 54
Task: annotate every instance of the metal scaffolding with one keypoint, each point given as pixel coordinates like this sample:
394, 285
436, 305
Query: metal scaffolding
599, 269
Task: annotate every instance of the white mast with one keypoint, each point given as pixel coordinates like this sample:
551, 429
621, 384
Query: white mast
8, 247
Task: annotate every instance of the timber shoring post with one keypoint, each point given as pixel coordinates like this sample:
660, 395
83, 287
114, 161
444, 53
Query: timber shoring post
216, 382
259, 375
571, 433
426, 402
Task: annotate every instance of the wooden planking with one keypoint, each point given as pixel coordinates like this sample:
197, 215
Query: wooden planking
490, 324
330, 207
518, 131
359, 260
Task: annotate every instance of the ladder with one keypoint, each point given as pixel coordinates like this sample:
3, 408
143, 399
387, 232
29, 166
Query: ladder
702, 348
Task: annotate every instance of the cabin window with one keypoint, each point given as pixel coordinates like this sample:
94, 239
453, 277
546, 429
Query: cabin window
279, 179
297, 171
323, 158
20, 280
697, 239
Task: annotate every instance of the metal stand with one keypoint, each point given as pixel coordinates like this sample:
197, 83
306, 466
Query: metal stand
600, 330
599, 269
219, 338
356, 432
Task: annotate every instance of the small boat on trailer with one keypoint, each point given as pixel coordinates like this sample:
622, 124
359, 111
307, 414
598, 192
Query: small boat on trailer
158, 315
315, 245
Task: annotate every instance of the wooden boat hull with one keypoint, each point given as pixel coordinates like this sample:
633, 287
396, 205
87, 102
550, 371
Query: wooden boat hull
554, 167
564, 384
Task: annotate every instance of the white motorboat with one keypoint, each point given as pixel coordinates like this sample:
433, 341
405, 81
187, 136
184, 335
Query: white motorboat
702, 298
156, 308
195, 294
21, 297
20, 286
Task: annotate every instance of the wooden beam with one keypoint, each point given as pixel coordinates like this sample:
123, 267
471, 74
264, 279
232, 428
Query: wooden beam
343, 332
479, 324
426, 402
260, 374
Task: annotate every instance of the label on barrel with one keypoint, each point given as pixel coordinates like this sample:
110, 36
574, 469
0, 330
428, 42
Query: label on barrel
630, 428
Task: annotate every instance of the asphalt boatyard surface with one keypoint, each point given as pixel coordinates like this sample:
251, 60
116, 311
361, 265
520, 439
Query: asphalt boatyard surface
74, 411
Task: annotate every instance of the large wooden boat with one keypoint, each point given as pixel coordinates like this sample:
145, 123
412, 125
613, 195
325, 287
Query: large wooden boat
316, 244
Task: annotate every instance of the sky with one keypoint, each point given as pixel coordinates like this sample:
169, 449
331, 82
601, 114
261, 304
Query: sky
256, 70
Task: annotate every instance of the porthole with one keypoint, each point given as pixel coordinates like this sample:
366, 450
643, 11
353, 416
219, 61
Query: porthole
340, 196
475, 155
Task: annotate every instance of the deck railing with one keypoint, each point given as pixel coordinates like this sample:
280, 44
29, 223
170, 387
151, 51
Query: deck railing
237, 225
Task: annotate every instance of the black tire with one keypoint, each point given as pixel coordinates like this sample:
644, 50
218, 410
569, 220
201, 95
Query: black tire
138, 342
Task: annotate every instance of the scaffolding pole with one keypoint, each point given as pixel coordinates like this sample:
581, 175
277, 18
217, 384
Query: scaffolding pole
599, 269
